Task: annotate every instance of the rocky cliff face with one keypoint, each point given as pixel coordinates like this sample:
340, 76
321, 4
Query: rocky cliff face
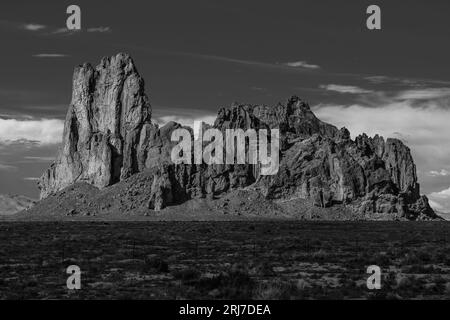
109, 136
103, 126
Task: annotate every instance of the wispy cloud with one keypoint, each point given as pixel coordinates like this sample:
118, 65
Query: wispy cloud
50, 55
7, 167
398, 118
33, 27
52, 30
39, 159
345, 89
65, 31
441, 173
99, 29
33, 179
412, 82
424, 94
18, 143
301, 64
43, 131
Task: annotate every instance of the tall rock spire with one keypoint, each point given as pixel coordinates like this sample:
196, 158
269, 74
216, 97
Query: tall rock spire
103, 126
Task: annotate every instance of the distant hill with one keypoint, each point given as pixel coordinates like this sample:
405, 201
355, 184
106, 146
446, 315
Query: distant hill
11, 204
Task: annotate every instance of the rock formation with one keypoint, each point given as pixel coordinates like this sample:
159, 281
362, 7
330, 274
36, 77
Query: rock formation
103, 126
109, 136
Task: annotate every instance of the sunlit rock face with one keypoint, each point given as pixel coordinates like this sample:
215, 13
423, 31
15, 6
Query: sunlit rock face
103, 126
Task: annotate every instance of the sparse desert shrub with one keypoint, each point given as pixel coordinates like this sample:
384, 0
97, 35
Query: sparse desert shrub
230, 285
263, 269
380, 259
423, 255
435, 289
301, 284
186, 274
275, 290
405, 282
114, 277
320, 255
447, 288
418, 256
420, 269
408, 286
439, 257
119, 262
156, 264
410, 259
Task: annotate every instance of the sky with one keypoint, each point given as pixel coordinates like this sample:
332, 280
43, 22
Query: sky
197, 56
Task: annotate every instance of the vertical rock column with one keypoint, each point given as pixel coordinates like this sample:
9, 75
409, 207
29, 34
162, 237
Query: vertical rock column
102, 128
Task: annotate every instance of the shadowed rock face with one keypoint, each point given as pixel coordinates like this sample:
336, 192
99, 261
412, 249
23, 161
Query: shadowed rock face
109, 136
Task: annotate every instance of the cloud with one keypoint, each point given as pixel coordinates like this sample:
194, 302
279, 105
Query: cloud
276, 66
7, 167
42, 131
424, 94
66, 31
33, 179
62, 30
435, 205
33, 27
40, 159
444, 194
442, 173
9, 146
301, 64
50, 55
99, 29
398, 118
405, 81
345, 89
440, 200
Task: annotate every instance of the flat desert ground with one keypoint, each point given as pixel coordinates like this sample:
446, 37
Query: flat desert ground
224, 260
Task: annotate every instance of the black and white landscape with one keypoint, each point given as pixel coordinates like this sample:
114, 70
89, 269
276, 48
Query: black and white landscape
87, 176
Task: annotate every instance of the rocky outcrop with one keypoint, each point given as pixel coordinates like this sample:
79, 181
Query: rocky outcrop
109, 136
103, 126
368, 174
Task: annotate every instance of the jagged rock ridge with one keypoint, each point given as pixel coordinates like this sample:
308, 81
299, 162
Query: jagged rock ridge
109, 136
